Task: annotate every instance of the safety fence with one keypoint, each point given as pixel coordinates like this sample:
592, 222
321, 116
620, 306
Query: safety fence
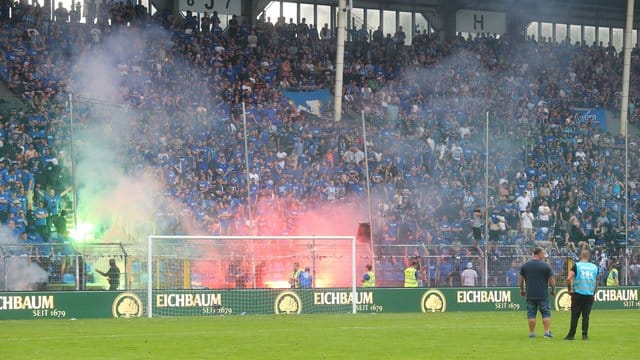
30, 267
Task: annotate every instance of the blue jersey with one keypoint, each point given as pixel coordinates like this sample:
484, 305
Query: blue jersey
305, 279
5, 198
52, 203
42, 220
512, 277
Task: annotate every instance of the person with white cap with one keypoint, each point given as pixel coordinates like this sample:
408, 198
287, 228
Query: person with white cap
469, 277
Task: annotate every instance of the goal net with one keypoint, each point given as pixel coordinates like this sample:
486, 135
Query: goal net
229, 275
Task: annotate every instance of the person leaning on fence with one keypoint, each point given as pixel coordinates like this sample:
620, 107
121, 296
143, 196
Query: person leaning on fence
305, 278
369, 278
612, 277
411, 275
469, 276
634, 270
113, 275
511, 275
294, 280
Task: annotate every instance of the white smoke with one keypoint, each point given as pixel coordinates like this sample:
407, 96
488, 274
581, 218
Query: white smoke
21, 274
18, 270
121, 202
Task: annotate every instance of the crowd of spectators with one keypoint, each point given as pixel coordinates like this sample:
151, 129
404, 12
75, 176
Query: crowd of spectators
552, 178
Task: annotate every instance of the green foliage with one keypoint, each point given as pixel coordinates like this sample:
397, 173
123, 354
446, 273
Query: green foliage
366, 336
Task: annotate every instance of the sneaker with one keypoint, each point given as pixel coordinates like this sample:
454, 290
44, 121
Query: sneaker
568, 337
585, 337
532, 335
548, 335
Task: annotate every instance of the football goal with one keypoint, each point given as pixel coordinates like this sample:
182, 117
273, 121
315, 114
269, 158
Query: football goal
225, 275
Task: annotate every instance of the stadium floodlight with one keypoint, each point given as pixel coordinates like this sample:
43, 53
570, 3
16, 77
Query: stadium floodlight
209, 275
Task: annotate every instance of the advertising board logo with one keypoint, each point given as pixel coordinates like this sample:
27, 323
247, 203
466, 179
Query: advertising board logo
433, 301
127, 305
563, 300
287, 302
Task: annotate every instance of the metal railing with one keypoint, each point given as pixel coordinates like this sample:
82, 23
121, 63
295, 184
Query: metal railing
58, 266
27, 267
441, 265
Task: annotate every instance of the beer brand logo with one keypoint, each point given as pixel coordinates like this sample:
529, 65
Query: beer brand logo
127, 305
433, 301
288, 302
563, 300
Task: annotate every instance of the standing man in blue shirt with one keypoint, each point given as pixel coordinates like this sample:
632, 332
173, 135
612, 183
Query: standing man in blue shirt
538, 276
41, 214
511, 275
305, 279
583, 284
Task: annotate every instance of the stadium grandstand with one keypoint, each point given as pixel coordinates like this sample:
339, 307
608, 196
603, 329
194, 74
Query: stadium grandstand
199, 117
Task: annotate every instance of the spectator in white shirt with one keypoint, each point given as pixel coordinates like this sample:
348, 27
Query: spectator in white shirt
544, 214
523, 201
526, 223
469, 277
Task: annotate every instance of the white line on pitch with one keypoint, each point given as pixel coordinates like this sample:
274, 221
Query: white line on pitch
75, 336
426, 325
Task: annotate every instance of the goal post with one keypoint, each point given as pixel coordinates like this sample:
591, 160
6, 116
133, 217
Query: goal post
222, 275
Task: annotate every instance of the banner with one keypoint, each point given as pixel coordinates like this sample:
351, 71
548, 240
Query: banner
114, 304
311, 101
69, 305
476, 21
227, 7
607, 298
597, 117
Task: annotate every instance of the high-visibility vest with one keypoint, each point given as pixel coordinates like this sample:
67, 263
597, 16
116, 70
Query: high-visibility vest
612, 279
296, 279
372, 280
410, 279
585, 280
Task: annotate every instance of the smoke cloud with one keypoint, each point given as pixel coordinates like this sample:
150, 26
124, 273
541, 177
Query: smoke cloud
118, 200
18, 270
124, 200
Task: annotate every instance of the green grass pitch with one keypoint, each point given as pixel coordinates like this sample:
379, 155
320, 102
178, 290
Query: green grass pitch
365, 336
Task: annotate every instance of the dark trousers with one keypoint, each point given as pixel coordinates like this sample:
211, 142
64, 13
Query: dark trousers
580, 305
477, 234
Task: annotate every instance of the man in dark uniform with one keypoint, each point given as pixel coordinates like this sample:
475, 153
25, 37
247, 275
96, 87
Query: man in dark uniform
113, 275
